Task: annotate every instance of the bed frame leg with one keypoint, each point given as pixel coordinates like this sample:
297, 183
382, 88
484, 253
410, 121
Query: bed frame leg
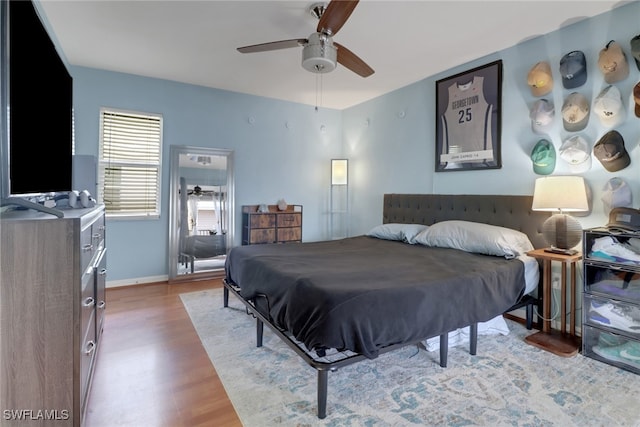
323, 381
259, 332
473, 339
444, 349
530, 315
225, 296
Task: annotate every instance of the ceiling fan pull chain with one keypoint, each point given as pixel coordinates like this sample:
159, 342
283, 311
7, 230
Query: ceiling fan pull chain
317, 85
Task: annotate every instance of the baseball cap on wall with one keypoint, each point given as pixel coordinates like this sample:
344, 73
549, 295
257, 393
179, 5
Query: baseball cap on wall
575, 150
575, 112
636, 98
635, 49
541, 114
539, 79
543, 157
608, 106
610, 151
616, 194
573, 68
613, 63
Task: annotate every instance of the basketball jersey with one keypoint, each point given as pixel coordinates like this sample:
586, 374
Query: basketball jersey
466, 124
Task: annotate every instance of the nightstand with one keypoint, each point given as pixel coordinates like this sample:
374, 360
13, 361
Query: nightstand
561, 343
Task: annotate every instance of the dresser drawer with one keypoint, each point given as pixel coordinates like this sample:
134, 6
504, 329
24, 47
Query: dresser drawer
98, 232
290, 220
87, 301
262, 220
87, 357
611, 314
614, 349
266, 235
292, 234
87, 248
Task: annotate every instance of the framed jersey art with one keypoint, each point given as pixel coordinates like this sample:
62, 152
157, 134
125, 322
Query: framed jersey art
468, 119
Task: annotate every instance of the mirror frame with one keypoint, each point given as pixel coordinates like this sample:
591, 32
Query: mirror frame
174, 214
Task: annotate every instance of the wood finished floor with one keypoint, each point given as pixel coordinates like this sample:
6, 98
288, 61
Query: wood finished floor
151, 367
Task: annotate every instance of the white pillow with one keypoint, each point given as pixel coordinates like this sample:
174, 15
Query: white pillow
476, 237
395, 231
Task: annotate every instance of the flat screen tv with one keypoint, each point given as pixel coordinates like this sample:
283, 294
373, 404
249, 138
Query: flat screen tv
37, 139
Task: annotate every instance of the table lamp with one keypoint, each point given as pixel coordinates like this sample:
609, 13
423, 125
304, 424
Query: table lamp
560, 194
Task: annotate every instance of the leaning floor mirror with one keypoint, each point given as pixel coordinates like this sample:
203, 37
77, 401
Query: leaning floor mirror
201, 211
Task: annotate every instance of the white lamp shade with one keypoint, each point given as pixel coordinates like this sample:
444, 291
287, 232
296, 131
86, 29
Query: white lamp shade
560, 194
339, 171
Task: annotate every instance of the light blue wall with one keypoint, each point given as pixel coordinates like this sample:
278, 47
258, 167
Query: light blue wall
395, 154
272, 160
389, 140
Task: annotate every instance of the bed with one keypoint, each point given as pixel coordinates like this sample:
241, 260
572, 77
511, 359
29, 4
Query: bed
341, 301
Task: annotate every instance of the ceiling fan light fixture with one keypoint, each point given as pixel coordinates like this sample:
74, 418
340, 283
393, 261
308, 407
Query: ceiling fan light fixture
319, 55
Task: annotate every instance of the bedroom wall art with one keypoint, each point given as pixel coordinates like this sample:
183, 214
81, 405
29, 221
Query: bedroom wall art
468, 119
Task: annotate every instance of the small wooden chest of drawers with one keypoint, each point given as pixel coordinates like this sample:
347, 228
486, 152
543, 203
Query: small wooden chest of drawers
272, 226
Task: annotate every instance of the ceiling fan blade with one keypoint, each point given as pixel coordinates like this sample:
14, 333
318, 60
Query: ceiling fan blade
351, 61
263, 47
336, 14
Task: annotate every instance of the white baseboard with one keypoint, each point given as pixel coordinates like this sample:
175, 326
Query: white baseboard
136, 281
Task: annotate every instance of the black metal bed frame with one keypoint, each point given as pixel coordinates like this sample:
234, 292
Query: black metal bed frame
322, 364
512, 211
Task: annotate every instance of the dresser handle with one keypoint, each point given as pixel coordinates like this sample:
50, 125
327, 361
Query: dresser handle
89, 302
91, 345
87, 248
102, 272
96, 236
101, 304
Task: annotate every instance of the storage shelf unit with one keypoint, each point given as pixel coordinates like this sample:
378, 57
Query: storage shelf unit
271, 226
611, 302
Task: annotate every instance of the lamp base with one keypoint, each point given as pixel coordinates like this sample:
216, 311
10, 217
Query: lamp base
562, 231
554, 250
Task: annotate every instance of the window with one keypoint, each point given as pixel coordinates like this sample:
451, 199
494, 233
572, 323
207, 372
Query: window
129, 165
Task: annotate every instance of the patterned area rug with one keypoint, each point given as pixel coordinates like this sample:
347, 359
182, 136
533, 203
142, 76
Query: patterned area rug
508, 383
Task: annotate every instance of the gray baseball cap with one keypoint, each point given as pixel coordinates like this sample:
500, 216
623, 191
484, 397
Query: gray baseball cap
573, 68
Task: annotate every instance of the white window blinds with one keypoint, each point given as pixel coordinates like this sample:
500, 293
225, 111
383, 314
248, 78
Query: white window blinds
130, 161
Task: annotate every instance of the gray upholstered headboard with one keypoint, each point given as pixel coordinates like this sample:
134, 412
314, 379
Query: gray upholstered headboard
507, 211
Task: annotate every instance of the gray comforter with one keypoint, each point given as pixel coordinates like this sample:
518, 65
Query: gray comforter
363, 294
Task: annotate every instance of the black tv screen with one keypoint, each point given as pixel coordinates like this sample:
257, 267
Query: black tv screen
40, 117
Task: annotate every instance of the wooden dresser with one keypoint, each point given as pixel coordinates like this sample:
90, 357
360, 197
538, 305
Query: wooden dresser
274, 226
52, 302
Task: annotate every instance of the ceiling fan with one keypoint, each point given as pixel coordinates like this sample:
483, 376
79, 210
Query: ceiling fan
197, 191
319, 52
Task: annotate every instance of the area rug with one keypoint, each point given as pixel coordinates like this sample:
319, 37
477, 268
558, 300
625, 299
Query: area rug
508, 382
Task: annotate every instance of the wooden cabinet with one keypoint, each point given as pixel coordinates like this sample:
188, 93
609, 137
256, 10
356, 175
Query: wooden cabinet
52, 304
273, 226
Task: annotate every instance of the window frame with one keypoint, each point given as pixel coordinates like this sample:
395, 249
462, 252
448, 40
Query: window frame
105, 163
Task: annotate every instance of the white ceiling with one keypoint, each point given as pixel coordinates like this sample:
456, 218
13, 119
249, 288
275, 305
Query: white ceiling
195, 41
